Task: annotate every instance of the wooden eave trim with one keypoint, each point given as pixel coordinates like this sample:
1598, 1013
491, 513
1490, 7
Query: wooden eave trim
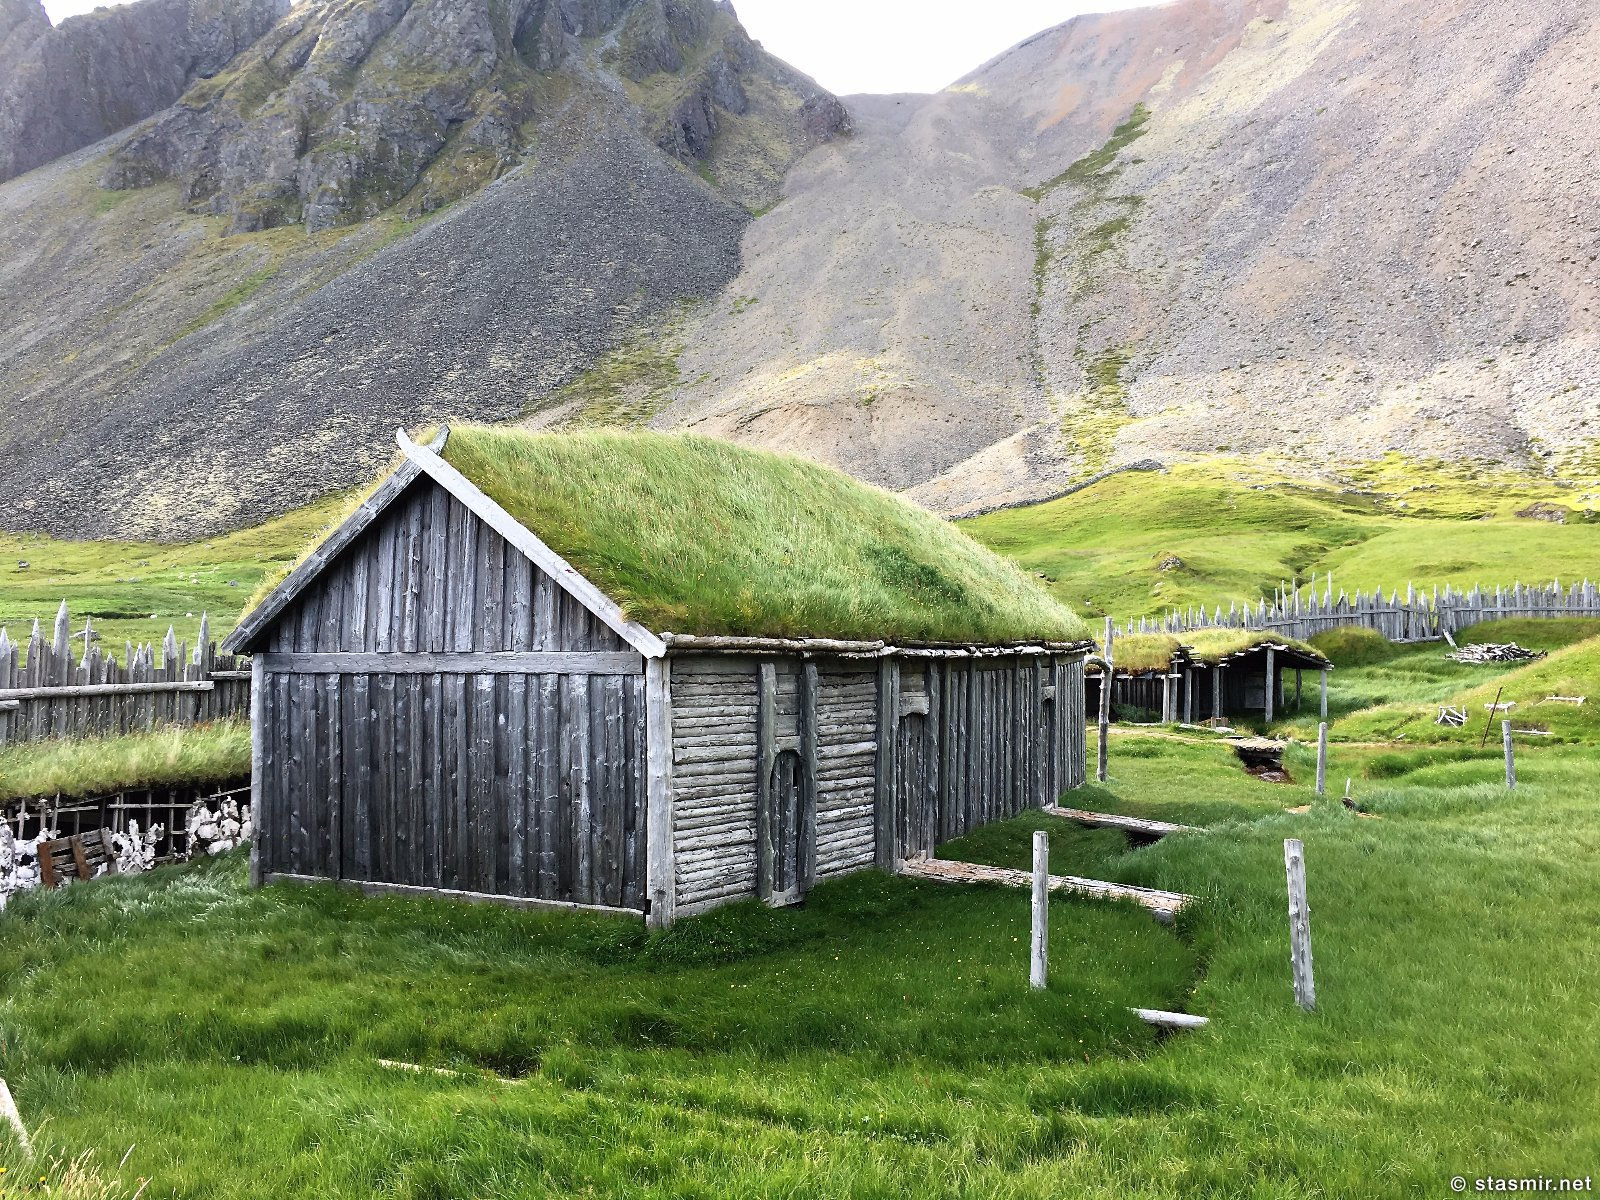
568, 577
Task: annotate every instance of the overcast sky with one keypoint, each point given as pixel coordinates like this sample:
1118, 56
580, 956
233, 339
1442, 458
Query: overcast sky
874, 45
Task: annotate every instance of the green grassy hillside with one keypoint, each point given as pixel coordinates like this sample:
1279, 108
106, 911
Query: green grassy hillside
1207, 534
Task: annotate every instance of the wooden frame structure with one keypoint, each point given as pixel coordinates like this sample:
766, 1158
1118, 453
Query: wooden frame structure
1248, 682
444, 705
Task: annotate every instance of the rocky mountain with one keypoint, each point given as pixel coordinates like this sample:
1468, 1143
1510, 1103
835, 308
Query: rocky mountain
385, 212
1313, 229
62, 88
1316, 230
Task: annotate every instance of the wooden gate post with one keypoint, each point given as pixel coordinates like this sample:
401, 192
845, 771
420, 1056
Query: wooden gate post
1039, 959
1294, 862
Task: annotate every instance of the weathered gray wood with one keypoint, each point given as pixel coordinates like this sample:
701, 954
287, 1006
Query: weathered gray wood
766, 757
1170, 1020
592, 662
1107, 682
660, 864
1039, 958
74, 691
1324, 698
1322, 759
1272, 683
810, 689
887, 852
1294, 862
1511, 755
526, 541
258, 761
1162, 905
1139, 826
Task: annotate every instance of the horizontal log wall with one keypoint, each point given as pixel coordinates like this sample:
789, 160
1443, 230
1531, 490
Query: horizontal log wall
714, 764
847, 742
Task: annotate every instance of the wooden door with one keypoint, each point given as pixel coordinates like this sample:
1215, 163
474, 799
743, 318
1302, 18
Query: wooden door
914, 807
786, 797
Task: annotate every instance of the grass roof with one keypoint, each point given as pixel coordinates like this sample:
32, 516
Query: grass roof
693, 535
1139, 652
1213, 645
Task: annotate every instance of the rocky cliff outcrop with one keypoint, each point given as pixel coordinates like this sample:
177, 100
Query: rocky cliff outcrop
277, 277
345, 110
66, 87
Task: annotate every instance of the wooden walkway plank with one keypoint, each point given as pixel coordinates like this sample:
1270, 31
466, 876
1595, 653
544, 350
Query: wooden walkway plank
1164, 905
1135, 825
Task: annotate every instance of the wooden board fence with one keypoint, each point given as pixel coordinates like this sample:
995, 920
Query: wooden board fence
1414, 616
69, 686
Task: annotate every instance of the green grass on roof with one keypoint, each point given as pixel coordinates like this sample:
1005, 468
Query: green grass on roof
693, 535
1213, 645
170, 757
1138, 652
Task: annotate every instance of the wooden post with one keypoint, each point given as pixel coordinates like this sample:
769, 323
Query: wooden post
13, 1118
1322, 759
258, 782
1108, 677
660, 848
1039, 960
886, 841
1167, 705
1324, 693
1216, 693
1188, 695
1294, 862
1272, 684
1511, 756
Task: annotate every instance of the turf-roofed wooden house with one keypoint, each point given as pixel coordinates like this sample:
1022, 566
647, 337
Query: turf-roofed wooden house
1210, 675
645, 672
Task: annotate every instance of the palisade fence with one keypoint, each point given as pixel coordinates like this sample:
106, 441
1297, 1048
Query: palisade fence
59, 688
1414, 617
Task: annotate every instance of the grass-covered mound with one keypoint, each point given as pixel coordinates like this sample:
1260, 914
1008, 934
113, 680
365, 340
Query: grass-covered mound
173, 757
1220, 531
1354, 646
693, 535
1571, 672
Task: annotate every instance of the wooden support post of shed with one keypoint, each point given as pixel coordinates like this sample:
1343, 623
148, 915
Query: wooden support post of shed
660, 865
1324, 693
886, 849
1216, 691
766, 759
1188, 695
258, 733
1272, 684
1168, 705
810, 691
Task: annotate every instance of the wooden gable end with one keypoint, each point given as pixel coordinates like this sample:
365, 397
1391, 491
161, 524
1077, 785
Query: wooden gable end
429, 576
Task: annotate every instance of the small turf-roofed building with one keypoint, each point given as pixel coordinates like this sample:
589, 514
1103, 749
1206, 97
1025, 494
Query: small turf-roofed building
1210, 675
645, 672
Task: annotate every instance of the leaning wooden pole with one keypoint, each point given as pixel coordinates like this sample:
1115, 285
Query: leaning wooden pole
1107, 682
1294, 862
1039, 960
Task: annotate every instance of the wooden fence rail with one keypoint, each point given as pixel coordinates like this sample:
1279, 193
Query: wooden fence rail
54, 688
1415, 616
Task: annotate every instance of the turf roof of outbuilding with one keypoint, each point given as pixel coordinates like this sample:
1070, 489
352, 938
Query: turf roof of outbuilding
693, 535
1138, 653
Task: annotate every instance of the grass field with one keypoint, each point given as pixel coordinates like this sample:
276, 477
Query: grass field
1207, 534
881, 1041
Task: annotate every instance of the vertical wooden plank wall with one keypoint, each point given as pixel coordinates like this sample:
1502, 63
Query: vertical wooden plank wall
527, 785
